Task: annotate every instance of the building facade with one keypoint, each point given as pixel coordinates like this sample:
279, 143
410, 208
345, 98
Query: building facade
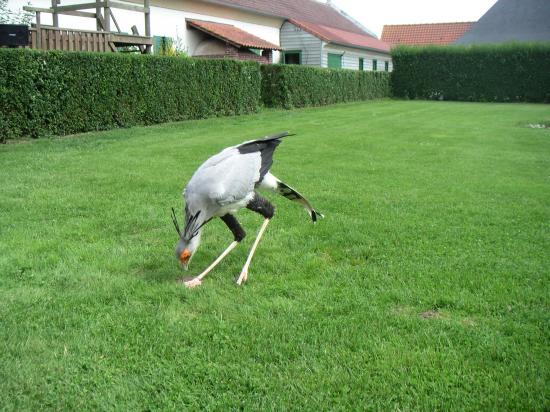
294, 31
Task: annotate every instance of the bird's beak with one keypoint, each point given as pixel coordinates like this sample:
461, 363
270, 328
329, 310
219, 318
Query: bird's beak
184, 259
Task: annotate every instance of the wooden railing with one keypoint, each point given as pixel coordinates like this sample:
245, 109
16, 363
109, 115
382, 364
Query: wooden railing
54, 38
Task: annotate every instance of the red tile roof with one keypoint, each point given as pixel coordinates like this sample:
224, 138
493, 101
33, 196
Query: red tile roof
232, 34
305, 10
422, 34
342, 37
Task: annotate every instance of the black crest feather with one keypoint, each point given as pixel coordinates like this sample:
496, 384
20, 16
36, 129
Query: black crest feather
175, 221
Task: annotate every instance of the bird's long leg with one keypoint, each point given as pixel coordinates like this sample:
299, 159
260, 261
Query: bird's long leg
197, 280
244, 273
238, 233
261, 205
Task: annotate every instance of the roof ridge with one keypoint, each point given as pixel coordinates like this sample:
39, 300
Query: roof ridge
209, 21
430, 24
352, 19
340, 36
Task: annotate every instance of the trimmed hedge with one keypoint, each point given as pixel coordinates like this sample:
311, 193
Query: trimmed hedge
291, 86
57, 93
492, 73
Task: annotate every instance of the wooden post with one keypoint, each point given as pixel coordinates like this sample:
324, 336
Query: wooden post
98, 25
38, 29
54, 14
147, 24
107, 15
114, 21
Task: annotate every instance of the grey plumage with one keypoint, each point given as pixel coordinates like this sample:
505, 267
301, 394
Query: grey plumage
223, 184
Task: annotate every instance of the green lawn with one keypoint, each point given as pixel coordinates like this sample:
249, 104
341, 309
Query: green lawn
425, 287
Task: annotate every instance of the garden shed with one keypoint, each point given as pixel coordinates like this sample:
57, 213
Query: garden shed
219, 41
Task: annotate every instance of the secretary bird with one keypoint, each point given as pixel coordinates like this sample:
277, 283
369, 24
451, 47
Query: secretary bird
221, 186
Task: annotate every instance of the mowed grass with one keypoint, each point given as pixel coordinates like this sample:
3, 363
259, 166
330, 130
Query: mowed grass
425, 287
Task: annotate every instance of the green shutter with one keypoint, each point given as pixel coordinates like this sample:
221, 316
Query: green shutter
386, 66
374, 65
334, 61
361, 63
162, 45
156, 44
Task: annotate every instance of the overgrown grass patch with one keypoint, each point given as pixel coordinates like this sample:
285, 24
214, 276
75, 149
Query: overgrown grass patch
425, 287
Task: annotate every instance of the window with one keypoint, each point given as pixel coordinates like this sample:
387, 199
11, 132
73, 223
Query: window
387, 66
334, 61
293, 57
374, 65
361, 64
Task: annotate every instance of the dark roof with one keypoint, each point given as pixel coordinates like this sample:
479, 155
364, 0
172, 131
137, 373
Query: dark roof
304, 10
512, 20
422, 34
342, 37
231, 34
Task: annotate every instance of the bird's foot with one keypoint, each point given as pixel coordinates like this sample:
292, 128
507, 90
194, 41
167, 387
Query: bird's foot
242, 277
190, 282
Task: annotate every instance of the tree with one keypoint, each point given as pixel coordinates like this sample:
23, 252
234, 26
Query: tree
8, 16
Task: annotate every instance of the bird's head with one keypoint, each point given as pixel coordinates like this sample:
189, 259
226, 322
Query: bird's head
185, 249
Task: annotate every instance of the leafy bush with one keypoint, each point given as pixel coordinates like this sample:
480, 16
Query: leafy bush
505, 73
57, 93
291, 86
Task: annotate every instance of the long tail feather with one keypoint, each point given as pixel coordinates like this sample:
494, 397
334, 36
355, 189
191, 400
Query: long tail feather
285, 190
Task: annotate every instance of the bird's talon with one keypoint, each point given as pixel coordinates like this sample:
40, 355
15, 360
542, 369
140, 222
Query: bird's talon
190, 282
242, 278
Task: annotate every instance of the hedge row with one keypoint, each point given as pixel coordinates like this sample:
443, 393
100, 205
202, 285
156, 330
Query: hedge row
57, 93
291, 86
502, 73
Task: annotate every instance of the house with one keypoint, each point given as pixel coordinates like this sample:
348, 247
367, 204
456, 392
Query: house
298, 32
316, 44
304, 32
511, 21
424, 34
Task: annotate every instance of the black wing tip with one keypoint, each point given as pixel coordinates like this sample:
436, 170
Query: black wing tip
252, 145
279, 136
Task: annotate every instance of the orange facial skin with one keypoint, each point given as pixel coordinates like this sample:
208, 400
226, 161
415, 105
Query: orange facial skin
184, 256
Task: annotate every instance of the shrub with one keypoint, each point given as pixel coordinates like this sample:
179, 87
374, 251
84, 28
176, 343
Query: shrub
504, 73
291, 86
57, 93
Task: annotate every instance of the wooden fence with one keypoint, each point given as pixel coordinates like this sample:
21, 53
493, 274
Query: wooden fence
54, 38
